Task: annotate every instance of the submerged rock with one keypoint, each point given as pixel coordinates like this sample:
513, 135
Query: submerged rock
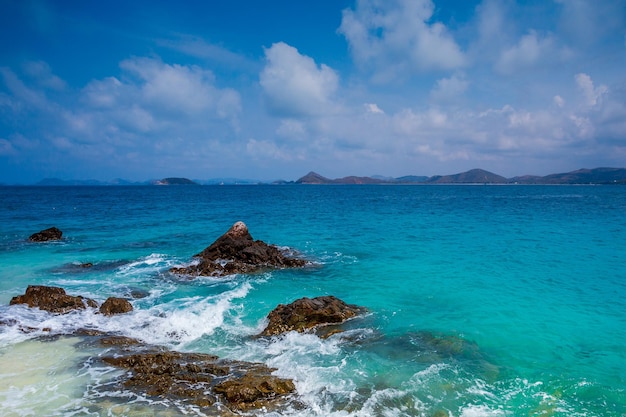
52, 299
115, 340
45, 235
203, 379
308, 313
115, 305
236, 252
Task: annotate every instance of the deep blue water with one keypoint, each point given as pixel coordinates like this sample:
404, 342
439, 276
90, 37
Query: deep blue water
482, 300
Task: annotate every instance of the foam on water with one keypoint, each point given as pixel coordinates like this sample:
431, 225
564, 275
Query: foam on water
40, 377
182, 321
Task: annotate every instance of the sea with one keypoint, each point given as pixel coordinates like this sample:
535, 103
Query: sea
481, 300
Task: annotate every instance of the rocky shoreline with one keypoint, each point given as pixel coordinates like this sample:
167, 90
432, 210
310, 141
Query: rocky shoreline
200, 379
203, 380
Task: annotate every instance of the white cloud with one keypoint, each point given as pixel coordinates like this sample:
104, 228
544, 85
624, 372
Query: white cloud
291, 129
397, 37
103, 93
591, 94
152, 97
269, 150
43, 75
294, 84
449, 89
531, 50
373, 108
23, 94
559, 101
176, 88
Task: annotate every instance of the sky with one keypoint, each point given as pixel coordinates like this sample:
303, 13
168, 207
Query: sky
272, 90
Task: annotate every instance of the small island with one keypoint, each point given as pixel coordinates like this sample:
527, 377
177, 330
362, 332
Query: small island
175, 181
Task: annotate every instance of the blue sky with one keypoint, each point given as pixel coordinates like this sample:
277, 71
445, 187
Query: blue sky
272, 90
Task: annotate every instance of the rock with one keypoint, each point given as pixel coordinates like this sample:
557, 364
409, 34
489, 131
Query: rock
45, 235
236, 252
137, 293
119, 341
307, 313
252, 390
203, 379
115, 305
52, 299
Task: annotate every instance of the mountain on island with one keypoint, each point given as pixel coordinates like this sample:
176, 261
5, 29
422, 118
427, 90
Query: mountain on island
175, 181
474, 176
315, 178
581, 176
480, 176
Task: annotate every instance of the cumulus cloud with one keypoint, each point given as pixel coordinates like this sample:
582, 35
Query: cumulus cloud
559, 101
397, 37
591, 94
294, 84
449, 89
373, 108
151, 96
137, 119
176, 88
531, 50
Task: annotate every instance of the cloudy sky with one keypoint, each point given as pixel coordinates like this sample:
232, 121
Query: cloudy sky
271, 90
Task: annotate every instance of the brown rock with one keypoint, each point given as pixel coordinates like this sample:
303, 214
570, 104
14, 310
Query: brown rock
52, 299
252, 391
203, 379
308, 313
48, 234
115, 305
236, 252
119, 341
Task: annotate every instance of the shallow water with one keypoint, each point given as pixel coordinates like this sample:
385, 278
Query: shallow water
482, 300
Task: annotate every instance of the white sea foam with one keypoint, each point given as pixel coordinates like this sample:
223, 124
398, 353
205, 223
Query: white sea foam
147, 265
482, 411
180, 321
40, 378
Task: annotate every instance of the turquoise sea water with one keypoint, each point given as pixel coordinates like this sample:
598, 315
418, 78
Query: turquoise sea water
482, 300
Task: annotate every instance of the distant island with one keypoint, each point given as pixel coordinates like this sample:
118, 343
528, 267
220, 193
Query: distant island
175, 181
480, 176
596, 176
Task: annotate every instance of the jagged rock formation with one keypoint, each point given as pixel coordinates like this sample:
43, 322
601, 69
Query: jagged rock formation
236, 252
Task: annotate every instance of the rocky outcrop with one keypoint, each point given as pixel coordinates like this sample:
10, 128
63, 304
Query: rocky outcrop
45, 235
52, 299
308, 313
236, 252
203, 380
115, 305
